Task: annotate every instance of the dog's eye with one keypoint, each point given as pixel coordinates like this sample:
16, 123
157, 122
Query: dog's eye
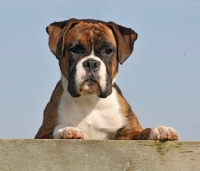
108, 51
75, 50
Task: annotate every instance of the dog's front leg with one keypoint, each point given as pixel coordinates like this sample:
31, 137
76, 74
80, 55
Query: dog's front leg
157, 133
62, 132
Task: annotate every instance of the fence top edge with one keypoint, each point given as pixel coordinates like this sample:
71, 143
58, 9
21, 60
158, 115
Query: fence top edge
101, 141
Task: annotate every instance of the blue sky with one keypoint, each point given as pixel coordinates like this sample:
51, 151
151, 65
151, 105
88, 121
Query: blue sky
160, 80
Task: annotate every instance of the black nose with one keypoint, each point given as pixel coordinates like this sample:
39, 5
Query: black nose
91, 65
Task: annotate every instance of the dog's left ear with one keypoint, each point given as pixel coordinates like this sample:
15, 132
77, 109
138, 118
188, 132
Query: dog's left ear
125, 38
57, 32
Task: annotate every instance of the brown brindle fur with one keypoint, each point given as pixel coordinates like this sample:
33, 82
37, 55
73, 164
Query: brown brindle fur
132, 130
123, 39
50, 114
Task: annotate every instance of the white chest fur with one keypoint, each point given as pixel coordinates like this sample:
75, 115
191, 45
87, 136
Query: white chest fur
97, 118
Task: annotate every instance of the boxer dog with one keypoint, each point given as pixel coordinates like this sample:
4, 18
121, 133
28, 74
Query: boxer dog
87, 103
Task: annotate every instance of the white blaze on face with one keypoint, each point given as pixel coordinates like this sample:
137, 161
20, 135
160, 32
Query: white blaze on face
81, 76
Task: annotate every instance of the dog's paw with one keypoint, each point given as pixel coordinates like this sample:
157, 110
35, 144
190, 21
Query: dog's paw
68, 133
163, 133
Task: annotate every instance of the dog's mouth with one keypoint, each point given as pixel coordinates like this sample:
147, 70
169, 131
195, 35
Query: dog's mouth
90, 86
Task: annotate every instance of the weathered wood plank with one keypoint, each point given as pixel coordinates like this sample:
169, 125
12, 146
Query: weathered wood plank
86, 155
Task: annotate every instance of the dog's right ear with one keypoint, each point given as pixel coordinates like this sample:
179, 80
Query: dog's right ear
57, 32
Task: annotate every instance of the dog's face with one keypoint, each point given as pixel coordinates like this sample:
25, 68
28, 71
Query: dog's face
89, 52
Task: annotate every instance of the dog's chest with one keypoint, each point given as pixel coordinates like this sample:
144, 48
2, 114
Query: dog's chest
97, 118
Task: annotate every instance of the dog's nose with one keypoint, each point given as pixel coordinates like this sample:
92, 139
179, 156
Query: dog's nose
91, 65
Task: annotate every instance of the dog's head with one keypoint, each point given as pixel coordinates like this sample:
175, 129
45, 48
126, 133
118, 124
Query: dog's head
89, 52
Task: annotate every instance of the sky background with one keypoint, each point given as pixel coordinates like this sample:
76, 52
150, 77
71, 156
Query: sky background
160, 80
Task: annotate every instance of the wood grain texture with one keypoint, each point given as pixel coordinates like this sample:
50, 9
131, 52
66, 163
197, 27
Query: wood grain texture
94, 155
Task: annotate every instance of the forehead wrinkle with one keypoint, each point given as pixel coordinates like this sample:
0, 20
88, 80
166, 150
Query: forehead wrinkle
80, 34
100, 31
90, 32
95, 27
108, 32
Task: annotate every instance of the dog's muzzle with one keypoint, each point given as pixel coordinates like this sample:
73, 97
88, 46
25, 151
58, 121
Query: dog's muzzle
89, 77
92, 78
